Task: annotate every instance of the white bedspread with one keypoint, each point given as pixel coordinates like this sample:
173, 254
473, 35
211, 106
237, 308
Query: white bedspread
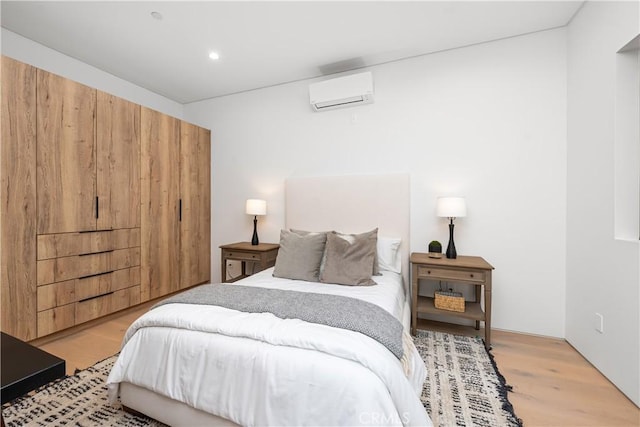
257, 369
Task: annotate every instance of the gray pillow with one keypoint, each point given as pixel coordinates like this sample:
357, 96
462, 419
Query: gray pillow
349, 238
299, 256
349, 263
368, 234
306, 233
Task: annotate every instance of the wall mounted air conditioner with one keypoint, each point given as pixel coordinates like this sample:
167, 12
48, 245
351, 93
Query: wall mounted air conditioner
348, 91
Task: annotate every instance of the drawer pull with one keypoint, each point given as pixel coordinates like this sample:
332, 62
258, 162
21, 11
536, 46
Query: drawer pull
471, 275
96, 253
97, 296
94, 275
96, 231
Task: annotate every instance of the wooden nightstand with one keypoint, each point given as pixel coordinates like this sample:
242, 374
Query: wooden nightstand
263, 255
470, 270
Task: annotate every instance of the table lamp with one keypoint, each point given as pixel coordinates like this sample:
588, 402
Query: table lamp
256, 207
452, 208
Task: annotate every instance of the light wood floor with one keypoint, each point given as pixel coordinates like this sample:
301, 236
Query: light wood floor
553, 385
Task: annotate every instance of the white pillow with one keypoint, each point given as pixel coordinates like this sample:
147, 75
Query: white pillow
389, 257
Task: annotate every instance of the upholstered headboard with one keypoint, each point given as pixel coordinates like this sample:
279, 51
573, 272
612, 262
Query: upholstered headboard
352, 204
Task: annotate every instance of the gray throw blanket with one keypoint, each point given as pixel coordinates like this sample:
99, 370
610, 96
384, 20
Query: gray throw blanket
331, 310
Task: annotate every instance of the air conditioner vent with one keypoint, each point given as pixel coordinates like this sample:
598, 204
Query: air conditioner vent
348, 91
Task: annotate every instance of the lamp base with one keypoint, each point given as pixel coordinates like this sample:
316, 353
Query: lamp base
451, 248
254, 239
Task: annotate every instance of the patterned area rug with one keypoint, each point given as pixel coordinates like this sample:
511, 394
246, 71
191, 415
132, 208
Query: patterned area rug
463, 388
463, 385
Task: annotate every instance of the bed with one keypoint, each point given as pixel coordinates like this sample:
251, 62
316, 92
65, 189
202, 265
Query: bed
197, 364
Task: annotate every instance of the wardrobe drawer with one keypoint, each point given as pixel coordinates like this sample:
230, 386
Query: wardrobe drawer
68, 244
81, 266
101, 306
70, 291
106, 282
56, 294
56, 319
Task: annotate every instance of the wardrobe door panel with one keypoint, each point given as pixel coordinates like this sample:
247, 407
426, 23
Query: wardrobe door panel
195, 192
18, 198
118, 162
66, 168
160, 153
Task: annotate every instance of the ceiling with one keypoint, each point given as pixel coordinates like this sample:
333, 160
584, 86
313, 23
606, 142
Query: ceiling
264, 43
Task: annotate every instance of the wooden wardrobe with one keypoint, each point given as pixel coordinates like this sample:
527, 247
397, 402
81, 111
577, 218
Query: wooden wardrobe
176, 180
105, 203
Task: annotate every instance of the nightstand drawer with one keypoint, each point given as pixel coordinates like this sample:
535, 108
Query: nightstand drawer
242, 256
446, 274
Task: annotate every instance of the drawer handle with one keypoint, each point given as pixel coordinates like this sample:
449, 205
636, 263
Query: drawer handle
96, 253
97, 296
96, 231
94, 275
471, 275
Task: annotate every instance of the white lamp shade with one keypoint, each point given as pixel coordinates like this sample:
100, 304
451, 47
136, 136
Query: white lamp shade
256, 207
451, 207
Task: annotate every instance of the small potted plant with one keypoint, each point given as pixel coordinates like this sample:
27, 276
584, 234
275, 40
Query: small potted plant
435, 249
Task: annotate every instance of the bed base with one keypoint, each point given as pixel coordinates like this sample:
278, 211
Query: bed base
168, 411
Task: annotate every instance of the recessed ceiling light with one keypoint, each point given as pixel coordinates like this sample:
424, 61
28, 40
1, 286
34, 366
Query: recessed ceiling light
156, 15
214, 55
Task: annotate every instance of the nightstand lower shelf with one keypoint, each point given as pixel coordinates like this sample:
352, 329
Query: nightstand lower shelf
472, 310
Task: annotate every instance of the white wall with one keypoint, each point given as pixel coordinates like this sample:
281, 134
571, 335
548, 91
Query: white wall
487, 122
603, 274
22, 49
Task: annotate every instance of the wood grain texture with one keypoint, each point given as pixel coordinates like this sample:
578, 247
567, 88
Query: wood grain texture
56, 294
66, 155
56, 319
100, 285
67, 244
18, 198
101, 306
73, 267
160, 178
195, 192
70, 291
118, 162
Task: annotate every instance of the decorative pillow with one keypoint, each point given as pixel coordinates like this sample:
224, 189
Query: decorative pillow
307, 233
299, 256
389, 254
349, 263
351, 237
